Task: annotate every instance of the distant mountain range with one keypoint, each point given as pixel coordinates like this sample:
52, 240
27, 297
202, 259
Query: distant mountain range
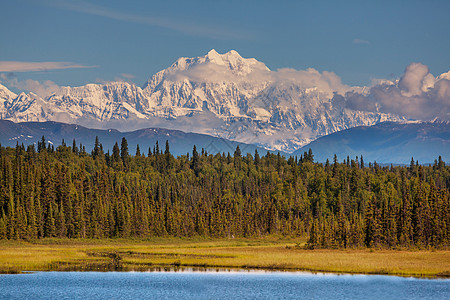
386, 143
180, 142
222, 95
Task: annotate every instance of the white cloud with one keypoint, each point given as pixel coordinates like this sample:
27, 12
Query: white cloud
325, 81
22, 66
417, 79
42, 89
417, 95
311, 78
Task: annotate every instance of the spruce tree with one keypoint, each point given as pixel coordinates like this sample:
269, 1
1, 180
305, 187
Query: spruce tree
237, 152
195, 161
42, 145
96, 151
138, 150
167, 155
116, 153
74, 147
257, 158
124, 153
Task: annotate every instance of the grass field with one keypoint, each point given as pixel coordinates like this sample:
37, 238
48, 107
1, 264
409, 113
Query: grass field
172, 253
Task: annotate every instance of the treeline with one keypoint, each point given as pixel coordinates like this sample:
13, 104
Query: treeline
67, 192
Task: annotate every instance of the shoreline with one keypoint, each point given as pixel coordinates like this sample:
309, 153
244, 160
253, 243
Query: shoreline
229, 270
270, 254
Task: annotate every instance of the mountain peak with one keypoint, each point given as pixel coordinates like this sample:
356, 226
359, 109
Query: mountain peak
233, 52
5, 93
213, 53
230, 63
214, 57
233, 61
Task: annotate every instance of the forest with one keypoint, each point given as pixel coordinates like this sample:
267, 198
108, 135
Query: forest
66, 192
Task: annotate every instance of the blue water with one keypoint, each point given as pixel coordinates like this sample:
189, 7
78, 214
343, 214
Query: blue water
217, 285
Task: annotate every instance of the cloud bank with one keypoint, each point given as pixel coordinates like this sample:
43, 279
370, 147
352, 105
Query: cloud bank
416, 95
327, 82
21, 66
42, 89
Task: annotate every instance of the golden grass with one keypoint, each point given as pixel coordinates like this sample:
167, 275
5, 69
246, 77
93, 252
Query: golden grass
269, 253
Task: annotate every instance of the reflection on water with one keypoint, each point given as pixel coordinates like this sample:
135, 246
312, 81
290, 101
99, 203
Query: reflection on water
188, 283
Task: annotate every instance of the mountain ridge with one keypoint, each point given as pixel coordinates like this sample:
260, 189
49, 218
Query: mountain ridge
180, 142
387, 142
223, 95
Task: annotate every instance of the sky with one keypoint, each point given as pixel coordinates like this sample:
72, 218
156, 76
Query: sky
49, 42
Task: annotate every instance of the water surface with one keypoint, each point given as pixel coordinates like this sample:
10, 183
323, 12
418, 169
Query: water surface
217, 285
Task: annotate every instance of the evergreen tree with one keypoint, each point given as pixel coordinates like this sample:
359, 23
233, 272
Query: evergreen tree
74, 147
124, 153
195, 161
156, 148
373, 226
96, 151
405, 233
68, 194
168, 156
167, 151
138, 150
116, 153
42, 145
237, 152
310, 155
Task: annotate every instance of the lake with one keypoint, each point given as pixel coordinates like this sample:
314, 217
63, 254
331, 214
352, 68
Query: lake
217, 285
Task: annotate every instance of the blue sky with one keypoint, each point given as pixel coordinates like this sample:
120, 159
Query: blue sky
79, 42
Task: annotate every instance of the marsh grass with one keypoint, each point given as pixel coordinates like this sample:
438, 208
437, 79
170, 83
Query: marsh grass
271, 253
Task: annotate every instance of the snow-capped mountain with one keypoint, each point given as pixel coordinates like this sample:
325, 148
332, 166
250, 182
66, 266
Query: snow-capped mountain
214, 82
103, 102
223, 95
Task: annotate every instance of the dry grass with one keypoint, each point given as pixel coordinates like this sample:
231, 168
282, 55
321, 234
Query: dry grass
269, 253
